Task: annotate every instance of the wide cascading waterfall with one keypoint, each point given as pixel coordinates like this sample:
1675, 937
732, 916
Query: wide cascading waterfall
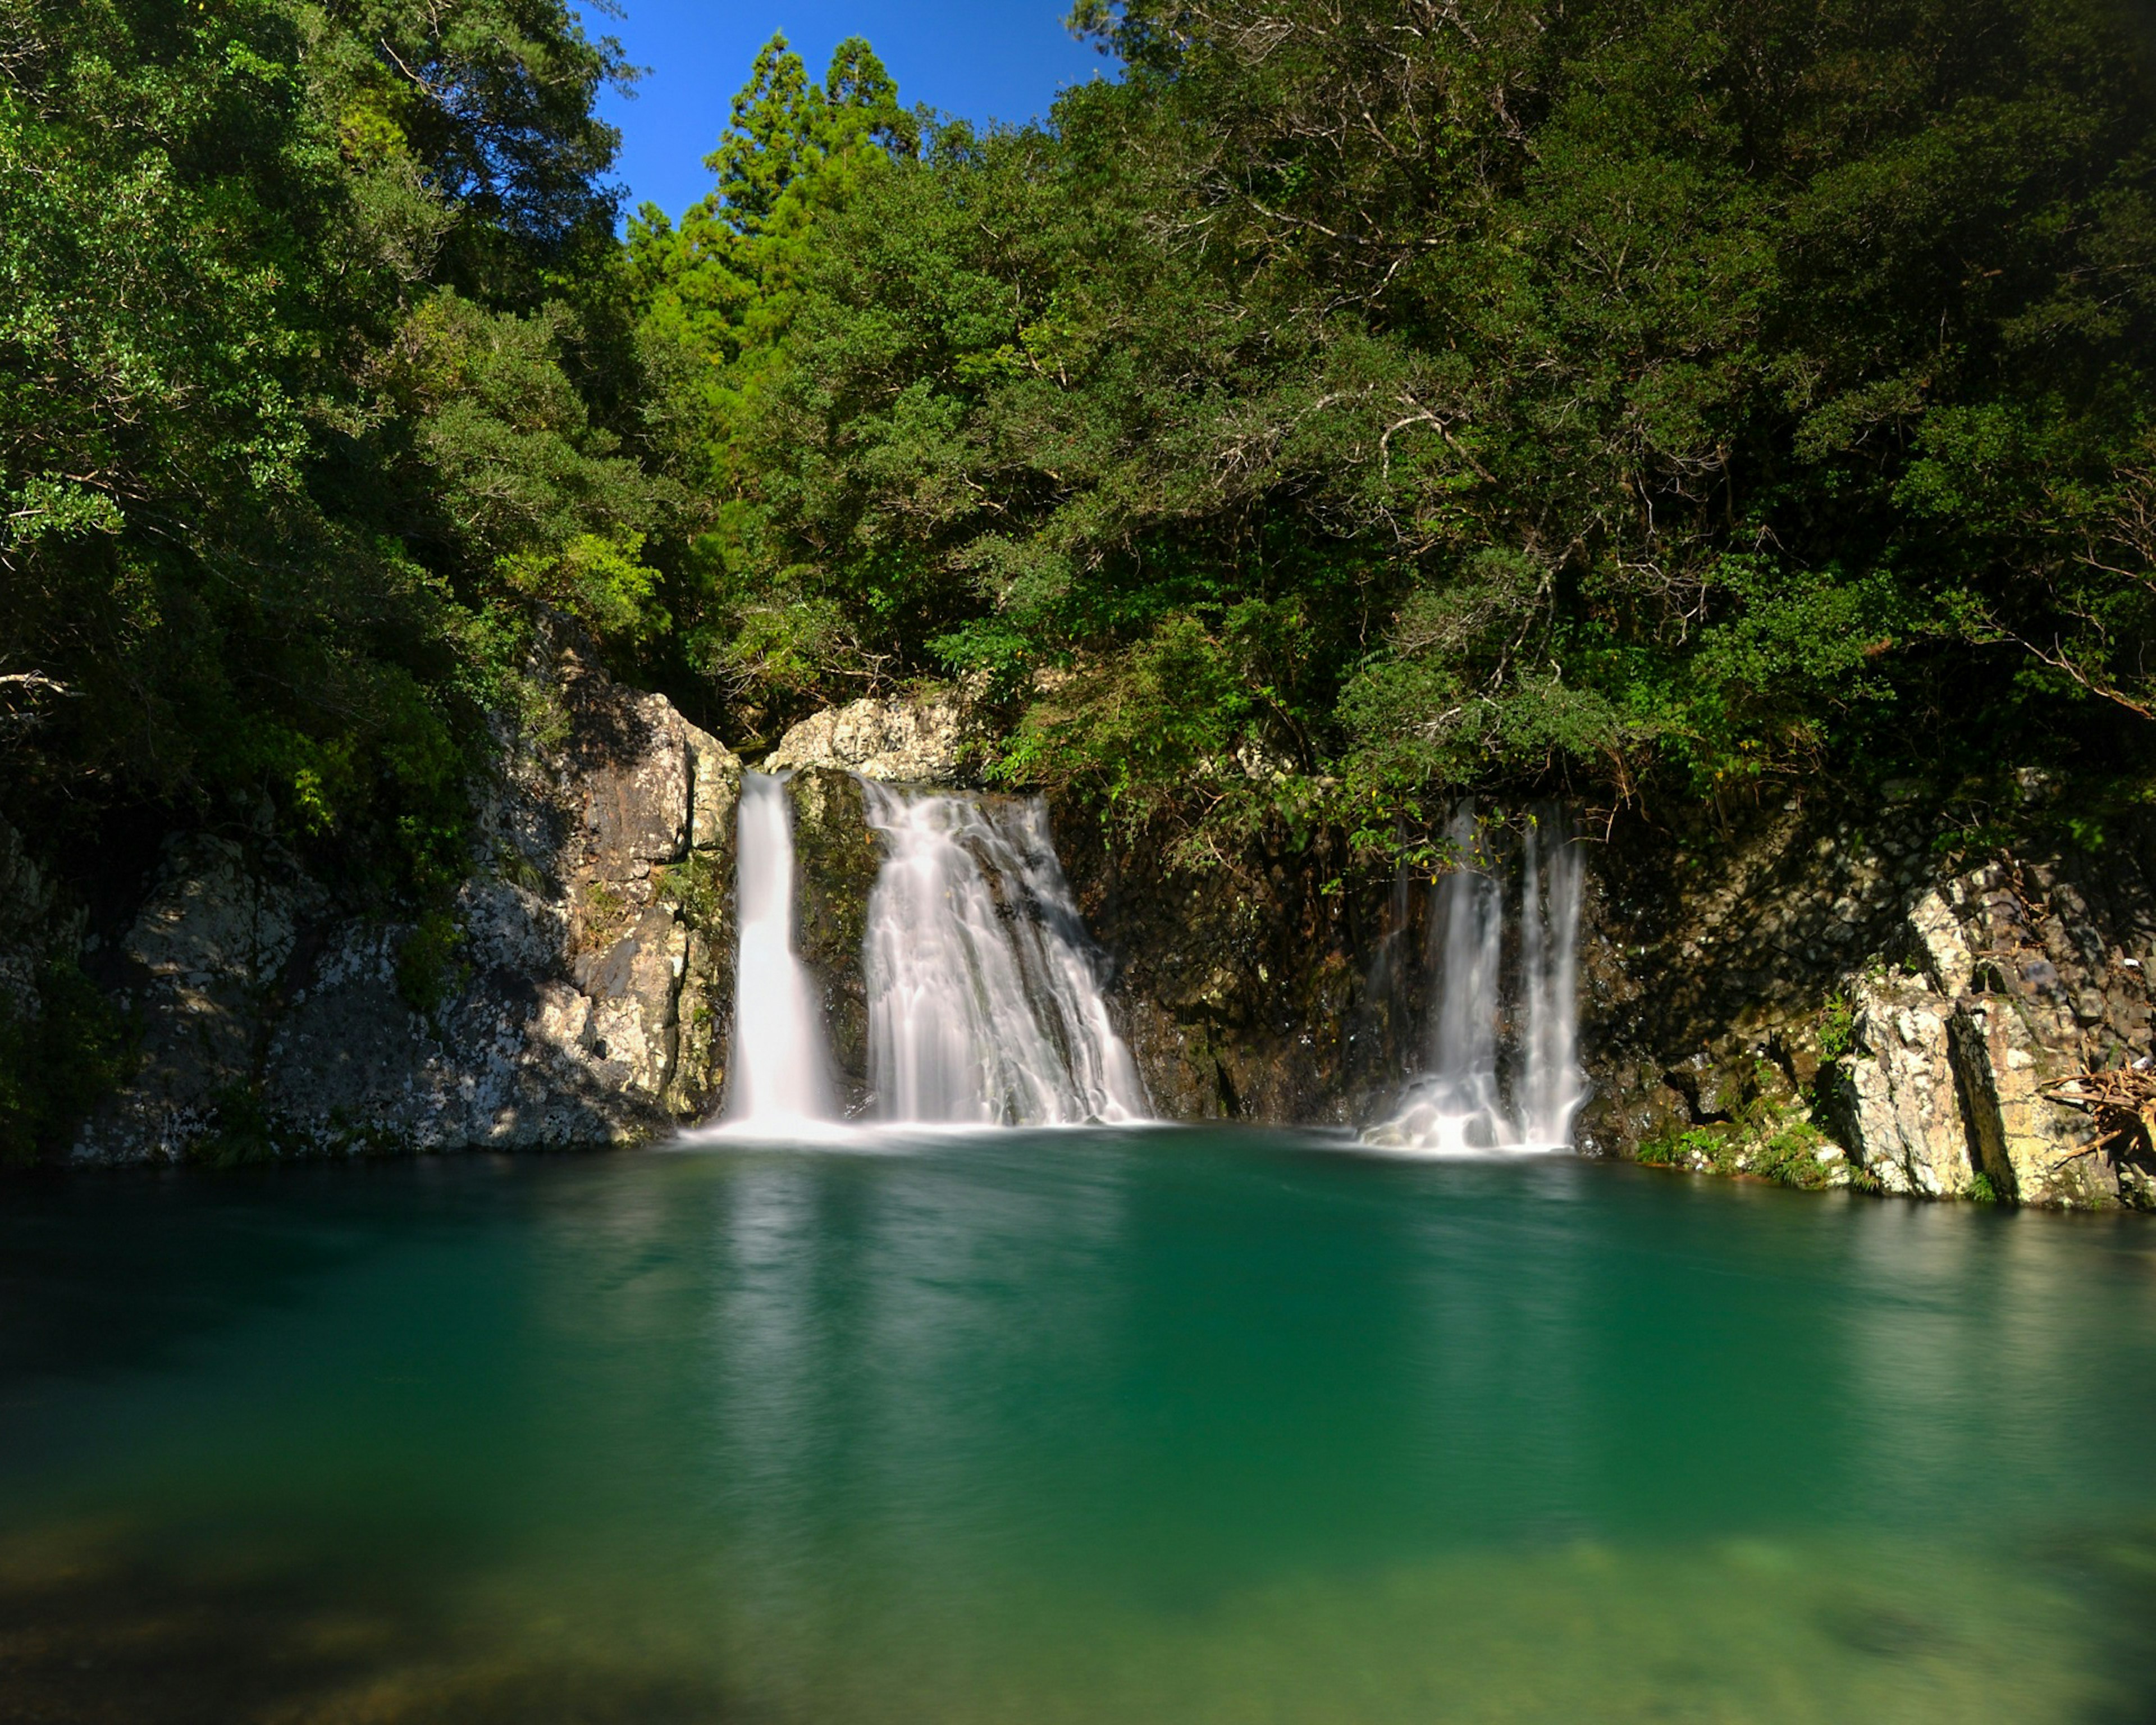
1460, 1103
984, 1002
779, 1075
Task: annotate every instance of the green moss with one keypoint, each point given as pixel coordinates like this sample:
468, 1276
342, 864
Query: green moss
1790, 1156
697, 888
1768, 1142
1684, 1149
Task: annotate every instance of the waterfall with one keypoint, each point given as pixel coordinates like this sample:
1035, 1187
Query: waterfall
984, 1004
778, 1075
1461, 1102
1552, 1084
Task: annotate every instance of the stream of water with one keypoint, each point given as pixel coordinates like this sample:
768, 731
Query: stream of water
779, 1075
985, 1005
1066, 1427
1502, 1071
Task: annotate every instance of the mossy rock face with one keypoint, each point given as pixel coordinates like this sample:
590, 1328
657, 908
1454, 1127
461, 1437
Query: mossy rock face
837, 856
1243, 992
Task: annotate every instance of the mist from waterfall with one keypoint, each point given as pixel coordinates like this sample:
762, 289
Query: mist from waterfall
1460, 1104
779, 1077
984, 1000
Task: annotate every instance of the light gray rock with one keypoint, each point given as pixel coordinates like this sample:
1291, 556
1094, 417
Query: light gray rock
2036, 1148
210, 947
214, 919
598, 907
910, 740
1899, 1114
716, 778
1945, 948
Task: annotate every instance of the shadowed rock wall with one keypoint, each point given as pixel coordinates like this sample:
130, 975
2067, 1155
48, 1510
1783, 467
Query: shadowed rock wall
576, 994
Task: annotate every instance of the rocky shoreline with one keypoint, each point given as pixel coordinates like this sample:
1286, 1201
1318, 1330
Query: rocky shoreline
1814, 995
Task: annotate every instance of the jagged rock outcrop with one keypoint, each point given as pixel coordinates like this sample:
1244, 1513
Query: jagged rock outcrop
1901, 1116
576, 993
917, 739
1933, 1025
2012, 994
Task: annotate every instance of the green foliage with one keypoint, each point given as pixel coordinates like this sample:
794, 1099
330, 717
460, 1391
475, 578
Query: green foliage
429, 974
291, 329
1981, 1190
1767, 1144
56, 1061
1837, 1028
1693, 394
1637, 398
1683, 1149
241, 1138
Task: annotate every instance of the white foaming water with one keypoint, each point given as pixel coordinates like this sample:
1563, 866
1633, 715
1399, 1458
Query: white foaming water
1552, 1086
984, 1006
1457, 1106
778, 1077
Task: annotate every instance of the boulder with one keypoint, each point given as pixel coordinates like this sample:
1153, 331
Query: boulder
1898, 1105
917, 739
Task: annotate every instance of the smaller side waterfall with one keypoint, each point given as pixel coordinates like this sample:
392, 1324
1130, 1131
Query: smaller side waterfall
1552, 1087
1485, 1090
779, 1076
984, 1005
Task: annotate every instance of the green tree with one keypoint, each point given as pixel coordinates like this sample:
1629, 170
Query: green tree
263, 456
1652, 392
717, 298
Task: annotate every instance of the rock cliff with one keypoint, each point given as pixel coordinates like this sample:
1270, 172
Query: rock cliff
575, 993
1816, 994
1829, 999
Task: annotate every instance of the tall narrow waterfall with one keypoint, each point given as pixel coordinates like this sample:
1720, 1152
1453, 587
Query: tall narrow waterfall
778, 1074
984, 1004
1494, 1080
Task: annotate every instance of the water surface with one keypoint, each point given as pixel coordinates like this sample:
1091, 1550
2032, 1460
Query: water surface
1072, 1427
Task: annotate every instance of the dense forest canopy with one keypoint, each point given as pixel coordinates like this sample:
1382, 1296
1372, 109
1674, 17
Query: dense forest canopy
1344, 405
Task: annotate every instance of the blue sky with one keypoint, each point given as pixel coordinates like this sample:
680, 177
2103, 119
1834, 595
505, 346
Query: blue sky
1002, 59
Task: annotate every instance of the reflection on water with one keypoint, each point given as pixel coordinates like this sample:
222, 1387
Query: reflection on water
1080, 1427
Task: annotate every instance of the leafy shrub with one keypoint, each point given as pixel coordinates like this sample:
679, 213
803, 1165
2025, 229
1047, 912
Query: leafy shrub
58, 1061
428, 972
